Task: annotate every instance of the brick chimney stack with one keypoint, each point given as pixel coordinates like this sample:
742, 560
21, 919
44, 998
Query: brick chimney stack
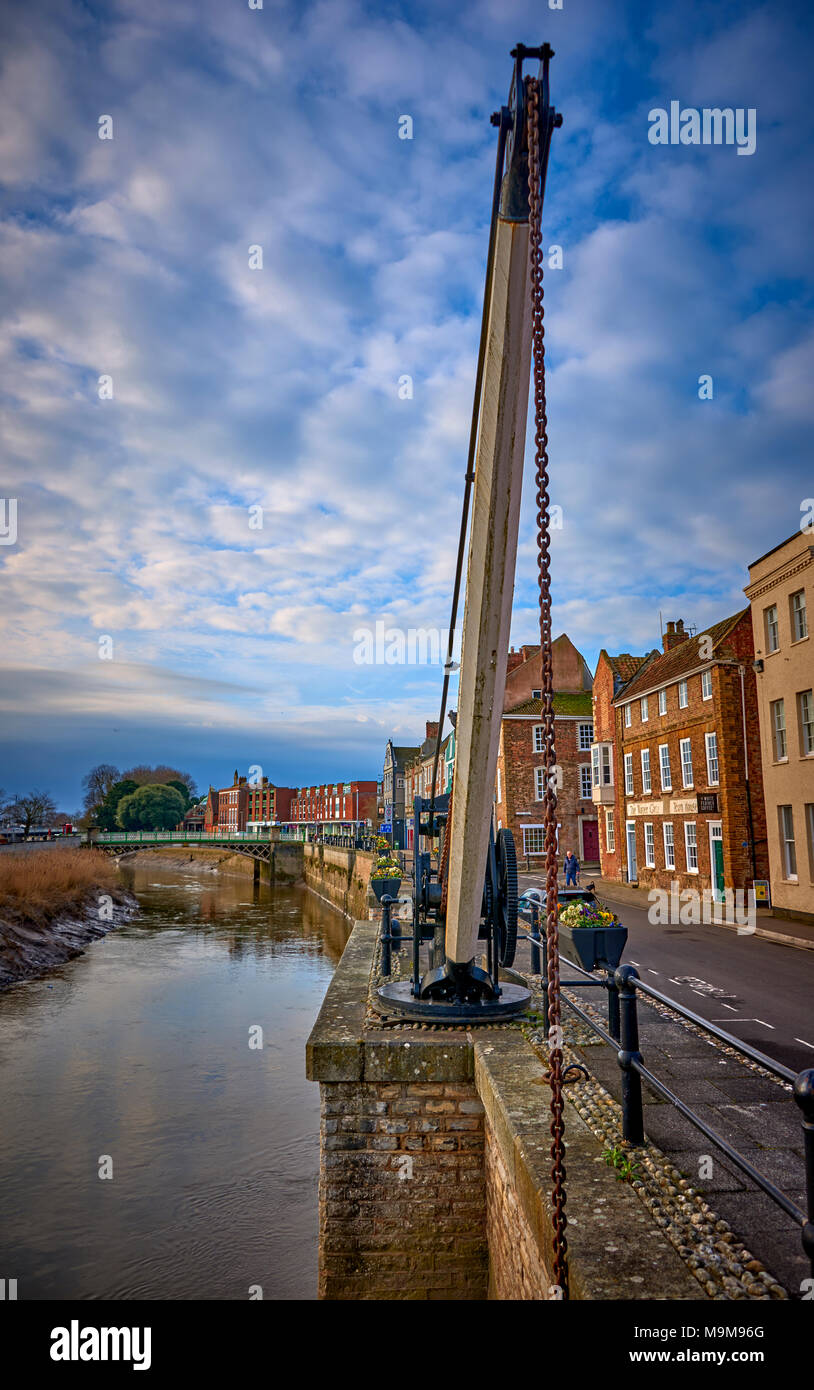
513, 659
432, 728
674, 635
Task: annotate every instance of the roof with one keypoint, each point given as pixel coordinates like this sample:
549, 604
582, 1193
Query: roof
625, 666
565, 702
672, 665
402, 754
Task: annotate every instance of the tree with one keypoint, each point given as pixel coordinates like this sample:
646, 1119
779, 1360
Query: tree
38, 808
183, 789
97, 784
105, 816
153, 806
161, 775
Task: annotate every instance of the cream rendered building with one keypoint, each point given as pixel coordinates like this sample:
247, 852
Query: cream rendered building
781, 593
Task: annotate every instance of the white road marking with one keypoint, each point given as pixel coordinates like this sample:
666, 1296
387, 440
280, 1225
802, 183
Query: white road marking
731, 1007
743, 1020
651, 972
805, 1044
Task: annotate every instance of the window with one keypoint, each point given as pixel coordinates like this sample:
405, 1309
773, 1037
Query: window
669, 846
628, 774
646, 781
686, 762
806, 710
706, 684
610, 832
809, 812
601, 764
664, 768
628, 716
772, 631
649, 846
787, 847
799, 620
682, 695
536, 694
539, 783
711, 741
644, 709
585, 736
662, 702
533, 839
585, 781
538, 744
691, 846
778, 710
499, 796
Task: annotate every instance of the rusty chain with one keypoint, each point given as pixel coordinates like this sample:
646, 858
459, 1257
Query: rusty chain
558, 1194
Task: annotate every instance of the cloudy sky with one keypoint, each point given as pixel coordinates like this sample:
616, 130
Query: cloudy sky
236, 389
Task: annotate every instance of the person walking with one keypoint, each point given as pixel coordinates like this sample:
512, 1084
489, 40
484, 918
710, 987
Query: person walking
571, 866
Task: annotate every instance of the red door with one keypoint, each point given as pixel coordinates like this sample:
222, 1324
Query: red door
590, 842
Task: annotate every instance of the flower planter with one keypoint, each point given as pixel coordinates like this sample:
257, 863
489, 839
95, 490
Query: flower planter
593, 947
382, 886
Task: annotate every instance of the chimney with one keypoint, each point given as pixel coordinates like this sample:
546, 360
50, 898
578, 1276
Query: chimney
513, 660
432, 728
674, 635
234, 784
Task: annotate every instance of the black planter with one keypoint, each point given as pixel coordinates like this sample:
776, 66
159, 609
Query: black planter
382, 886
593, 947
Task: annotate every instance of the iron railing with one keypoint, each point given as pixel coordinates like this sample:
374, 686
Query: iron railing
622, 1034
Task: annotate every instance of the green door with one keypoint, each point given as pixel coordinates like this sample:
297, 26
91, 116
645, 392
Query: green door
718, 869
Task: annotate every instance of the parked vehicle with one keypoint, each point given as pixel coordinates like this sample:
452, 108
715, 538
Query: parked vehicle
564, 895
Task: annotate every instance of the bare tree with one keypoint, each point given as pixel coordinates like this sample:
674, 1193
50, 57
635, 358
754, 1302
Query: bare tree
38, 808
97, 784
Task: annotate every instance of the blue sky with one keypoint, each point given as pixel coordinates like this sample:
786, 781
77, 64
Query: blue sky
235, 388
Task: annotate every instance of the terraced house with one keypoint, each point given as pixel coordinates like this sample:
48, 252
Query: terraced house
521, 771
679, 764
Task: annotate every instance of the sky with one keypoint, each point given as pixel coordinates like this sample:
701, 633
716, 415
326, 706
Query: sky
201, 538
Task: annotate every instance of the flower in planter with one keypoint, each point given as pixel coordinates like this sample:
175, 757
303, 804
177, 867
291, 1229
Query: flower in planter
387, 869
585, 914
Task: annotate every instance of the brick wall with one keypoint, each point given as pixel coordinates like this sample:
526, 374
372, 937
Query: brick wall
517, 805
515, 1268
402, 1191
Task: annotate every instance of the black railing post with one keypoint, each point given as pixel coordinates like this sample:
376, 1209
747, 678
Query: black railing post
395, 930
804, 1096
613, 1007
632, 1117
385, 933
535, 938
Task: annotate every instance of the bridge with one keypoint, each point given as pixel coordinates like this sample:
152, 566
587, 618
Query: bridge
119, 843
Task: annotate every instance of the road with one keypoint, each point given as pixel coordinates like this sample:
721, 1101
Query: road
760, 991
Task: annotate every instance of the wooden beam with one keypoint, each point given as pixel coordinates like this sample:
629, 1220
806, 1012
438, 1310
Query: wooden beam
489, 583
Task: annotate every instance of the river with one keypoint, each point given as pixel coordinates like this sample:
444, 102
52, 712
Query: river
137, 1052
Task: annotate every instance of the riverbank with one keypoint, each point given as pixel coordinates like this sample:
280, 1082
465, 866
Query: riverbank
52, 904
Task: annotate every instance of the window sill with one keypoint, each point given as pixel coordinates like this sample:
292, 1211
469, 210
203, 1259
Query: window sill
797, 640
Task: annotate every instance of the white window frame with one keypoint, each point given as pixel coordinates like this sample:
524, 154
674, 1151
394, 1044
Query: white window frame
666, 786
690, 825
644, 707
539, 783
779, 737
663, 701
713, 767
771, 624
499, 796
649, 845
788, 845
647, 780
669, 845
683, 695
583, 769
537, 739
628, 716
799, 616
610, 832
805, 711
582, 746
629, 791
685, 756
706, 685
527, 849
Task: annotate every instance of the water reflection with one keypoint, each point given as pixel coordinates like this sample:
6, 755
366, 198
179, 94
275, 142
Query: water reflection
139, 1050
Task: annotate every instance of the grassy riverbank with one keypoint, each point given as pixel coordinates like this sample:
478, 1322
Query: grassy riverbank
52, 905
37, 887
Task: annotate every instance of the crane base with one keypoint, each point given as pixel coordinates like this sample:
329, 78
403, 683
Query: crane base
399, 999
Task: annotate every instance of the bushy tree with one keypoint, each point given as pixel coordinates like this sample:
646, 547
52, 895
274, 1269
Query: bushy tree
151, 807
105, 816
162, 775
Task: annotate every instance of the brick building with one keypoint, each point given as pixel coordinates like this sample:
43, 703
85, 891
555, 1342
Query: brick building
687, 784
396, 760
333, 806
520, 782
246, 806
780, 590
